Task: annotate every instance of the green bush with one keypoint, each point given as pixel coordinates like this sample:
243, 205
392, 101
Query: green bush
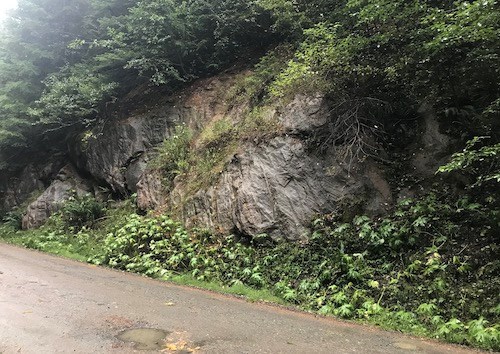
254, 87
14, 218
79, 212
172, 157
157, 246
481, 163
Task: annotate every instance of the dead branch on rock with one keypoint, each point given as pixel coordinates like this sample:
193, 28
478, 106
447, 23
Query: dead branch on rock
354, 129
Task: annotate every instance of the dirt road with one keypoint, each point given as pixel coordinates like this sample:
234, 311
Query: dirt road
53, 305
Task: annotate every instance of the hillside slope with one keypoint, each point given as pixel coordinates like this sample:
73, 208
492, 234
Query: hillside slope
340, 156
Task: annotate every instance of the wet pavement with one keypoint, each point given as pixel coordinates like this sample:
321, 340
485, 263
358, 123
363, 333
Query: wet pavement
54, 305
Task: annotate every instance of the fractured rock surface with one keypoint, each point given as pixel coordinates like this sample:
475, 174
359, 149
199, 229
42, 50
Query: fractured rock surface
277, 188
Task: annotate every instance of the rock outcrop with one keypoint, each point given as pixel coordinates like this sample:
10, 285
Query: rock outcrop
66, 184
14, 191
114, 155
304, 115
434, 147
151, 193
277, 187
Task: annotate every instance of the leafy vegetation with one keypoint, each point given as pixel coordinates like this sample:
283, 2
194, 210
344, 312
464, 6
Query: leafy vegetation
254, 87
172, 157
76, 231
14, 219
62, 64
379, 61
481, 163
79, 212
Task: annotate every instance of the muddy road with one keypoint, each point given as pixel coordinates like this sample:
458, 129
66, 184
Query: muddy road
53, 305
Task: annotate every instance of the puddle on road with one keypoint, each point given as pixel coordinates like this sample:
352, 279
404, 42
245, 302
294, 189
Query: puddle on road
144, 338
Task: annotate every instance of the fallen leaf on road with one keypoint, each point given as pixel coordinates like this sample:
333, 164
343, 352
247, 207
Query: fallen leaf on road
169, 304
177, 343
173, 347
180, 347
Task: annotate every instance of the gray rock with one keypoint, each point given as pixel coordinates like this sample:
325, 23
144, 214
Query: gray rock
113, 156
277, 188
304, 114
16, 190
115, 153
434, 147
134, 172
151, 193
67, 182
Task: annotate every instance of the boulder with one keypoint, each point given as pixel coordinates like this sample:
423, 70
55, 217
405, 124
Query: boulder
67, 183
19, 188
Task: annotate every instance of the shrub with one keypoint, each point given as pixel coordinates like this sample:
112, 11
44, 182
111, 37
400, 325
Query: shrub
172, 156
14, 219
78, 212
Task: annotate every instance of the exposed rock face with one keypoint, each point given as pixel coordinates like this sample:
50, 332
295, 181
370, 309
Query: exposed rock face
304, 114
434, 146
150, 191
66, 183
115, 155
274, 185
16, 191
277, 188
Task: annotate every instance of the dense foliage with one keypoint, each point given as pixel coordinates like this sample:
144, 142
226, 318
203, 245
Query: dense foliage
417, 268
62, 62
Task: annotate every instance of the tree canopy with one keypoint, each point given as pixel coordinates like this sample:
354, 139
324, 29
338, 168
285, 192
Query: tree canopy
60, 61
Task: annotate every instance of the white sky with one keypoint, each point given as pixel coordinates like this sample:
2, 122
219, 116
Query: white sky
6, 5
